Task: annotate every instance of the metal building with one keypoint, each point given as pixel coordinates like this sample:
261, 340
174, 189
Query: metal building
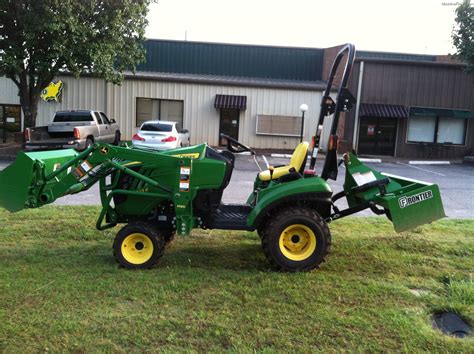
250, 92
417, 106
408, 105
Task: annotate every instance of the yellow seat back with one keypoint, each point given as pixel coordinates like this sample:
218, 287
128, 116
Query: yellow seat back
299, 155
298, 159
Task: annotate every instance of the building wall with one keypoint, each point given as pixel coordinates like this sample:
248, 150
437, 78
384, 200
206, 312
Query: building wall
200, 116
440, 86
202, 119
86, 93
415, 84
83, 93
8, 91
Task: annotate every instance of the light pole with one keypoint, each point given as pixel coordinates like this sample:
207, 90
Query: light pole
303, 109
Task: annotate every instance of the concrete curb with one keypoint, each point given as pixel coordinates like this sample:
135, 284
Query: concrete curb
370, 160
468, 159
286, 156
429, 163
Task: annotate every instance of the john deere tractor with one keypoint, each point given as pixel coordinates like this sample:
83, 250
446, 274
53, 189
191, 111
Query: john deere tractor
160, 194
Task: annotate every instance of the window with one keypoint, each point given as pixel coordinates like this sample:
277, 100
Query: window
98, 116
421, 129
451, 130
73, 117
171, 110
435, 129
10, 119
104, 118
278, 125
156, 109
156, 127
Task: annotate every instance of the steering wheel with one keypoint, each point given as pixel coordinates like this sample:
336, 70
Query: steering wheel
235, 146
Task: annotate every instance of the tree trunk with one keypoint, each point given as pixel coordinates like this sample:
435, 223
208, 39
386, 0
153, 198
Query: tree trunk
29, 99
30, 110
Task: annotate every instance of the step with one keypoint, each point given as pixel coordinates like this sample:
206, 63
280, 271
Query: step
232, 217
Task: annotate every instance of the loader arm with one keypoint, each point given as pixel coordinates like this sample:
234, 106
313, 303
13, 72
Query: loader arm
66, 172
39, 178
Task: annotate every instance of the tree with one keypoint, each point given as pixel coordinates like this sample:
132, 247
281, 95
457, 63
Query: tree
40, 39
463, 34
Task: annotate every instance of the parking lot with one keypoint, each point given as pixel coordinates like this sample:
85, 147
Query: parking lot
456, 182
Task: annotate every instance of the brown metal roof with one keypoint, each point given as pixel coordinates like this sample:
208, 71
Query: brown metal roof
230, 101
383, 110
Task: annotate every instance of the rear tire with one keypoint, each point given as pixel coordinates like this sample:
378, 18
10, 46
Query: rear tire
296, 239
117, 138
89, 143
138, 245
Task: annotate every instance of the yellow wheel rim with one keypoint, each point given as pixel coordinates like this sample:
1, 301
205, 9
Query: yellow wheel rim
137, 248
297, 242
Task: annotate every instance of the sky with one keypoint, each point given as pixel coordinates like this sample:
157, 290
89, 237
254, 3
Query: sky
416, 26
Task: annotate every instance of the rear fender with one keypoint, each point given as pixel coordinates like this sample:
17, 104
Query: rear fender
313, 191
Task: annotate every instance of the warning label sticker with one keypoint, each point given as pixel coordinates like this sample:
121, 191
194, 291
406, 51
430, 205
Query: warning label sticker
81, 170
184, 178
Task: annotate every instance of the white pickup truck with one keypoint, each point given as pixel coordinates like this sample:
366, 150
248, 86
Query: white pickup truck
73, 129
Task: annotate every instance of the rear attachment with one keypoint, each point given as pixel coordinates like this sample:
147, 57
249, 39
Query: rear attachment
407, 203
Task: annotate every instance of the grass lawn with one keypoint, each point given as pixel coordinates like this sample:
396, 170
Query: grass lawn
61, 290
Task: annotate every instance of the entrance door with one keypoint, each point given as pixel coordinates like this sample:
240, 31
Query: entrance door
10, 121
377, 136
229, 124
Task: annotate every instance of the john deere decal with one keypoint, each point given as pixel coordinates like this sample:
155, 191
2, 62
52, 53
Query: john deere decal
52, 92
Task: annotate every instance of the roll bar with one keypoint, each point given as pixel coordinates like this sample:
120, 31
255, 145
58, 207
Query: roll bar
344, 102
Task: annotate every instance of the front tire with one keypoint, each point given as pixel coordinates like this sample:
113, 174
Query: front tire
138, 245
296, 239
168, 235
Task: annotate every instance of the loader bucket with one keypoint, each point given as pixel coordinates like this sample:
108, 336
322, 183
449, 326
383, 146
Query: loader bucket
18, 179
407, 203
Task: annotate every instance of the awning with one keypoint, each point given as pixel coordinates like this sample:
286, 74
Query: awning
383, 110
441, 112
230, 101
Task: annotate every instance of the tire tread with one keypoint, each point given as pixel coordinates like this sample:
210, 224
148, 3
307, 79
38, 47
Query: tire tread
276, 219
148, 229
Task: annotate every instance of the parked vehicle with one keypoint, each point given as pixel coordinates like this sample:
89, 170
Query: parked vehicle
73, 129
161, 135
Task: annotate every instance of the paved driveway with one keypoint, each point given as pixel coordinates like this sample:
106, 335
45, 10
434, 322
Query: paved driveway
455, 181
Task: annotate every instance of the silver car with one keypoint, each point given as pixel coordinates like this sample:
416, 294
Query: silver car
161, 135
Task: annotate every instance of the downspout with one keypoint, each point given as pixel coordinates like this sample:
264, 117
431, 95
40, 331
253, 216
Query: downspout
355, 138
106, 98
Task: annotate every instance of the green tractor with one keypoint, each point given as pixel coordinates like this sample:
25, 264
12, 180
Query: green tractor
158, 194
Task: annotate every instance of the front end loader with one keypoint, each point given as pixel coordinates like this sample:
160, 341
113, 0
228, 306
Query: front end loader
158, 194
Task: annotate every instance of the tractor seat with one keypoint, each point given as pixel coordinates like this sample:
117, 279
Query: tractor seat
297, 163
